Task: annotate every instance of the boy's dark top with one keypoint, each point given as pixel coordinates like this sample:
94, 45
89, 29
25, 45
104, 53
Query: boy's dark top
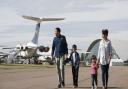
77, 61
59, 46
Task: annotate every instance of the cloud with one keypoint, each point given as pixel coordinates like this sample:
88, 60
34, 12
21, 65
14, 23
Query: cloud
112, 11
46, 7
72, 10
120, 35
8, 16
121, 48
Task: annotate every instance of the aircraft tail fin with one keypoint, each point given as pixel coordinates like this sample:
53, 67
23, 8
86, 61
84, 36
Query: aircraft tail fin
39, 20
36, 35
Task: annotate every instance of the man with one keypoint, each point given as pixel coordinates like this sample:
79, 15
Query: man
104, 56
60, 51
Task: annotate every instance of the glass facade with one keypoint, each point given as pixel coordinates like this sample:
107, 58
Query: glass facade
93, 50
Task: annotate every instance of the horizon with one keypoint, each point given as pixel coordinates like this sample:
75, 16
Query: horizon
84, 21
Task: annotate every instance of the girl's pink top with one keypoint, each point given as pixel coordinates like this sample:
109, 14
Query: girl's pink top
93, 68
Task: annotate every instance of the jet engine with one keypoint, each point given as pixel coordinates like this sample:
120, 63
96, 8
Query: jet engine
43, 49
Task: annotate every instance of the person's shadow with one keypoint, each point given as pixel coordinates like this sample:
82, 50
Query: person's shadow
101, 87
90, 88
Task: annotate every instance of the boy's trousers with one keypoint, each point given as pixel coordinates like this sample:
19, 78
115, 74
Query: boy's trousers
75, 72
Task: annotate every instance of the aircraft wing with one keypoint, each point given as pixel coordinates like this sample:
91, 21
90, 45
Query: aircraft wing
2, 54
1, 46
52, 19
31, 18
41, 19
10, 47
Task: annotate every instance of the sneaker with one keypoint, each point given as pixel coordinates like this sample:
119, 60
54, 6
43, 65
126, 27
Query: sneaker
59, 85
74, 86
63, 84
92, 88
96, 87
103, 88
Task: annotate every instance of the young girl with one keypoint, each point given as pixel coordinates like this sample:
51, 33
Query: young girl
94, 68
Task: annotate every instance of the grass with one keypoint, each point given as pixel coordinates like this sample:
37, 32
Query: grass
27, 66
24, 66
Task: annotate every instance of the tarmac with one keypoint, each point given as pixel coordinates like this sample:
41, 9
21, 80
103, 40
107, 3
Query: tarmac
46, 78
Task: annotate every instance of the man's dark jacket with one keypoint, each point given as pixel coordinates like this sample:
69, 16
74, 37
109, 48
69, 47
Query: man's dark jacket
59, 46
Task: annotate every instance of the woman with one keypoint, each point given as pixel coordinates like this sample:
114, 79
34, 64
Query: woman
104, 56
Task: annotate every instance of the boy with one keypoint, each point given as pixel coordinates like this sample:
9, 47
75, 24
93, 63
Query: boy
75, 60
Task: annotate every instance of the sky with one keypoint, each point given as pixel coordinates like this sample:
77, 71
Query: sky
84, 21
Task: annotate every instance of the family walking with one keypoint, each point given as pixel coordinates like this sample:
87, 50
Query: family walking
60, 53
